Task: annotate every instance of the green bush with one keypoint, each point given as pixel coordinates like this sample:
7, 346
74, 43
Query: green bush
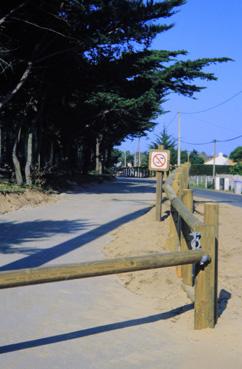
207, 170
236, 169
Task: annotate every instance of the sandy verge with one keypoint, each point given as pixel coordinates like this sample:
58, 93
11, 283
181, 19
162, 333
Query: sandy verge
221, 346
14, 201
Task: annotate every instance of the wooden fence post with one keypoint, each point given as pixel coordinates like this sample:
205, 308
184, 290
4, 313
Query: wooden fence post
177, 186
211, 217
158, 196
186, 271
159, 180
205, 307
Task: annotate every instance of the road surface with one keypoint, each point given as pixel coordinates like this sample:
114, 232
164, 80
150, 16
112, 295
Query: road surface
224, 197
93, 323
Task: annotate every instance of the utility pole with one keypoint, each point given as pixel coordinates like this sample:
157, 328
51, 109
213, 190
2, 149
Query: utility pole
214, 165
179, 140
125, 159
139, 154
188, 156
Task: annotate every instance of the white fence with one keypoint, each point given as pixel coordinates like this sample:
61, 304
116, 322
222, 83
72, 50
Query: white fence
223, 182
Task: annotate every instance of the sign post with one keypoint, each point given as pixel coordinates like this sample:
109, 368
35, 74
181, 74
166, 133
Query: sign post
159, 161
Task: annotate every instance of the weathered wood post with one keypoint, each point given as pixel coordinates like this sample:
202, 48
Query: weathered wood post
205, 314
186, 271
159, 161
178, 188
174, 240
159, 180
211, 217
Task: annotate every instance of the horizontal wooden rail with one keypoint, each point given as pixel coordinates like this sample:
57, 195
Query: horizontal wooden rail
177, 204
24, 277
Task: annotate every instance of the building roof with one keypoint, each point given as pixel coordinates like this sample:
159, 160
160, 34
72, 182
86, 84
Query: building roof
219, 160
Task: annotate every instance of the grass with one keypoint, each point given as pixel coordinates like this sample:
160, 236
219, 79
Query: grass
11, 188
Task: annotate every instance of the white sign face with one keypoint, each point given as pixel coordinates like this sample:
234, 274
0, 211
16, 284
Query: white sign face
159, 160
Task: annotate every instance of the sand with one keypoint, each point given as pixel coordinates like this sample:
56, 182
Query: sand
219, 347
13, 201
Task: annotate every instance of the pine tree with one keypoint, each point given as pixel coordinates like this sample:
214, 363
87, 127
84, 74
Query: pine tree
73, 72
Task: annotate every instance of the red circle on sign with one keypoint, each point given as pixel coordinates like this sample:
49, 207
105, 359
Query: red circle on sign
159, 160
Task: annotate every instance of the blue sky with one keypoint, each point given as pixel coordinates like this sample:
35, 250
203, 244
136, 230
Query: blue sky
205, 28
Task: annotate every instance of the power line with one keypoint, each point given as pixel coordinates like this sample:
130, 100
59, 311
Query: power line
197, 143
230, 139
209, 142
171, 121
214, 106
214, 124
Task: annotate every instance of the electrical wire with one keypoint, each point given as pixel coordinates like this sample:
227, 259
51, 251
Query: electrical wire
214, 124
229, 139
171, 121
209, 142
198, 143
214, 106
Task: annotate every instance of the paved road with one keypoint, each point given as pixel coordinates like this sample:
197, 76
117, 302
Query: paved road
232, 199
93, 323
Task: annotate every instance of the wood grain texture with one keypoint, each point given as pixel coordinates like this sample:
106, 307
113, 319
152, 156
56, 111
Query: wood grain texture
26, 277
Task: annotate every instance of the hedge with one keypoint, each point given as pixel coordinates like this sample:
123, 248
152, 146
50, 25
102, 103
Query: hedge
207, 170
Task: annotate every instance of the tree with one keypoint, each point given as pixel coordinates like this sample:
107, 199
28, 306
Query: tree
236, 154
195, 158
168, 142
72, 72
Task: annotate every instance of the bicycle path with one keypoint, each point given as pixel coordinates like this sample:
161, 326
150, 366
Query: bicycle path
93, 323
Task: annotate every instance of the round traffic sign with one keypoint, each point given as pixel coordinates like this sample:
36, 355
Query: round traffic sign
159, 160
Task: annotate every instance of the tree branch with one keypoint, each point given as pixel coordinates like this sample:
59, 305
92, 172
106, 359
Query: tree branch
45, 28
2, 20
18, 86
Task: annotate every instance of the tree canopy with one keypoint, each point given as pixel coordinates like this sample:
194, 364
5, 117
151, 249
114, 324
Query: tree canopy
75, 74
236, 154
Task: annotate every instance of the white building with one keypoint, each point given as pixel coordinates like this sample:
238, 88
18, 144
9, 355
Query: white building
219, 160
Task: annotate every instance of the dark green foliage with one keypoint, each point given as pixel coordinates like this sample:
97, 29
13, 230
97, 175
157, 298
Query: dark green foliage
200, 169
73, 72
168, 142
195, 158
236, 169
236, 154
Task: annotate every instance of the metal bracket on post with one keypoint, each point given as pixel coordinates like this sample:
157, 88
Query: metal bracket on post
195, 242
196, 245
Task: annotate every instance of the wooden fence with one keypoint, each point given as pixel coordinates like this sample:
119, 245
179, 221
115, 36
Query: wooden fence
138, 172
180, 255
187, 232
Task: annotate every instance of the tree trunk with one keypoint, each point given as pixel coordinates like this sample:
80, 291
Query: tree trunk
51, 158
1, 144
16, 163
98, 156
29, 159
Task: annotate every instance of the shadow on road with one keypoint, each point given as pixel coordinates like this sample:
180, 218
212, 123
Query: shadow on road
121, 186
45, 255
14, 234
94, 330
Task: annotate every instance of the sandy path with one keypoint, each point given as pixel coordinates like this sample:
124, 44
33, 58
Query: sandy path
97, 323
219, 347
